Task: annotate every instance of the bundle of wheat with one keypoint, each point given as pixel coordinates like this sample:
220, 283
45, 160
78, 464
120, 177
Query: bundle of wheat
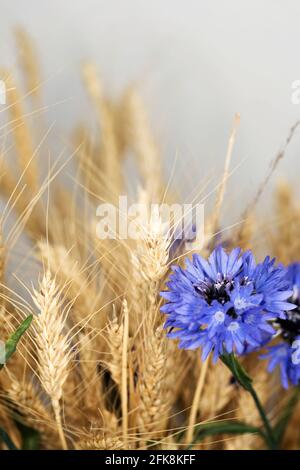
96, 370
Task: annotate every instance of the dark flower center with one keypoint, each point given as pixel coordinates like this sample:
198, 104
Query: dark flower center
219, 290
290, 326
214, 291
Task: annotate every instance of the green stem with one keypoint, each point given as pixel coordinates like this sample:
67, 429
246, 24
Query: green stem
284, 419
268, 428
245, 381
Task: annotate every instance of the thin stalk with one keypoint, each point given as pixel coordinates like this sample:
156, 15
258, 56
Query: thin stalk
195, 404
124, 382
268, 428
56, 409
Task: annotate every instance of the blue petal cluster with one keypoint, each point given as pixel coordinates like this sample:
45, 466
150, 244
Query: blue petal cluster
225, 303
286, 354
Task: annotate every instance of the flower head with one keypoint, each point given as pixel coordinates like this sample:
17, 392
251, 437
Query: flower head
286, 354
225, 303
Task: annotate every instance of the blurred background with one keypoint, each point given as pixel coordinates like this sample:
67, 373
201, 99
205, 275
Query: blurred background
196, 63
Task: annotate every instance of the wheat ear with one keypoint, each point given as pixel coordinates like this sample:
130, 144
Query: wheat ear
33, 410
99, 442
53, 346
153, 403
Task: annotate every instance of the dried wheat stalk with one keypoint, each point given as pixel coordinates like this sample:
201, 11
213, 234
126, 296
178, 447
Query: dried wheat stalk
53, 344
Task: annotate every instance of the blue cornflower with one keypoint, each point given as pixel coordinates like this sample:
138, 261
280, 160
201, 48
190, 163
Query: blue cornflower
286, 354
225, 303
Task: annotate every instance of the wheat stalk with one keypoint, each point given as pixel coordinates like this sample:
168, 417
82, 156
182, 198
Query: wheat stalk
115, 334
52, 344
140, 138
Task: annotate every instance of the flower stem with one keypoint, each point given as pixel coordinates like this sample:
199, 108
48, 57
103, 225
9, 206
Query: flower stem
268, 428
245, 381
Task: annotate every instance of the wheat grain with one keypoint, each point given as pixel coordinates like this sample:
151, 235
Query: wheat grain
153, 403
33, 411
53, 346
98, 442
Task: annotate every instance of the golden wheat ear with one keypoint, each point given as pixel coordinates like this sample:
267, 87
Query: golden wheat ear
53, 346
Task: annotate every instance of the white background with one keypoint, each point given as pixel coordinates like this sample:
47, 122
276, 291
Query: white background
196, 63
